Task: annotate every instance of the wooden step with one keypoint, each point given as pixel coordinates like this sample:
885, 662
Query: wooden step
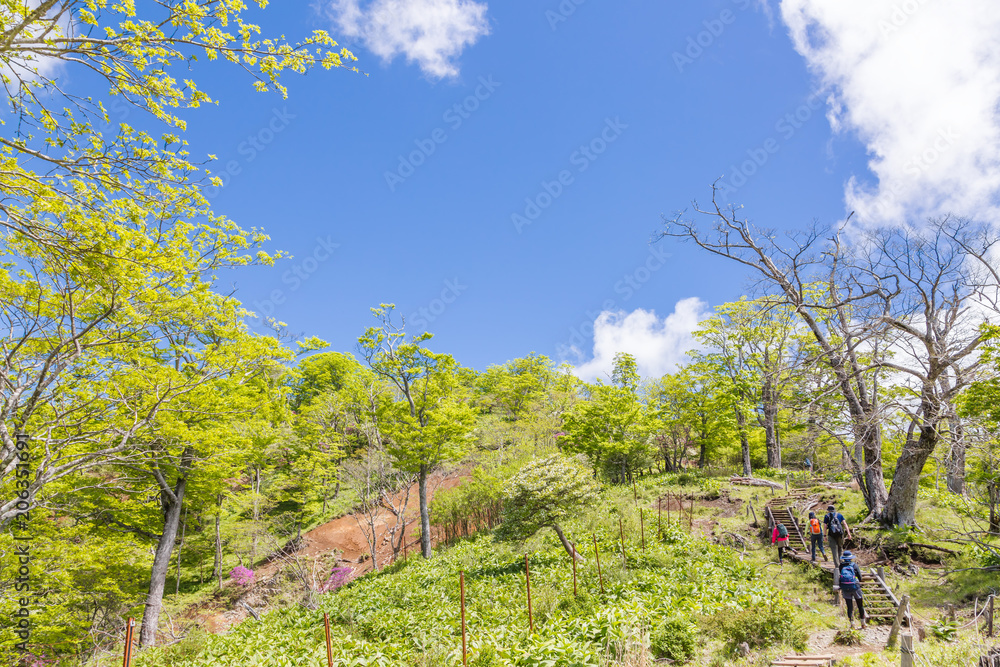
804, 661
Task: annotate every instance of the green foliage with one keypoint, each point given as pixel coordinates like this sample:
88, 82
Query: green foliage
512, 389
408, 614
674, 638
761, 627
429, 420
848, 637
943, 630
544, 494
613, 428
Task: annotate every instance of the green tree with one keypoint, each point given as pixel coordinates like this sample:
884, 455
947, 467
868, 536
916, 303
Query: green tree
753, 340
512, 389
430, 420
613, 427
544, 494
112, 248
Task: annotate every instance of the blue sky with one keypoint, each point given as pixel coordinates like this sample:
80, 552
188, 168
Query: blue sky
402, 186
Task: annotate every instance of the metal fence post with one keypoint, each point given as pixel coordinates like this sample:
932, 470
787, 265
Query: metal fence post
461, 585
527, 579
129, 627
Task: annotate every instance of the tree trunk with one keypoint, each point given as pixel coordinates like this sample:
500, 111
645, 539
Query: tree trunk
993, 489
868, 470
566, 545
741, 424
901, 505
256, 514
161, 565
425, 516
180, 552
956, 457
769, 400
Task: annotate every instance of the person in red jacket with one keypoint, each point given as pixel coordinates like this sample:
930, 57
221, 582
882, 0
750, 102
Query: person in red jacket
779, 538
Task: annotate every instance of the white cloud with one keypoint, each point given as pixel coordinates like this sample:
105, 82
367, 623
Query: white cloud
432, 33
918, 81
657, 345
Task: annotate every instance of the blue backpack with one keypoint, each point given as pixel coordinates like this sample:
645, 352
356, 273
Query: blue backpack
848, 580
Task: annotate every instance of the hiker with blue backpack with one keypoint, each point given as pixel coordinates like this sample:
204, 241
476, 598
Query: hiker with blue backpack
836, 530
850, 587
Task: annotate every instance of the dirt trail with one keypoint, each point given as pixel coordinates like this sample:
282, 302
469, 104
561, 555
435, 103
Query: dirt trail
342, 536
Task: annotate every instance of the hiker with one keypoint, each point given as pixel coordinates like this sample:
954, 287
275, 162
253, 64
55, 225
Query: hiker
779, 538
850, 588
815, 536
836, 530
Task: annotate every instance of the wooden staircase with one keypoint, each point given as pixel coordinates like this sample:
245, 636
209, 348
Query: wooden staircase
779, 510
881, 604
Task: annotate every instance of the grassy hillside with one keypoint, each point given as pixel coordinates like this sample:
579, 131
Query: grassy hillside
408, 614
683, 597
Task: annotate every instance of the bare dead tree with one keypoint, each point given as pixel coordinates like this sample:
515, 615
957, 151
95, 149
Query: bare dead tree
896, 306
946, 292
812, 277
383, 494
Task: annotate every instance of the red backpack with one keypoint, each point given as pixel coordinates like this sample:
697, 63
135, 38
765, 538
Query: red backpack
815, 527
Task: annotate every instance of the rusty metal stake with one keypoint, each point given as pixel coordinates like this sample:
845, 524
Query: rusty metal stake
129, 627
642, 530
597, 557
461, 585
329, 647
527, 579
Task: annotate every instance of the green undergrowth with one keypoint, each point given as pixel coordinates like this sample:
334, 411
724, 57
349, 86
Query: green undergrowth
682, 598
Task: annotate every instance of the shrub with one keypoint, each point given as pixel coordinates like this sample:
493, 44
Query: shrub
674, 639
944, 630
241, 576
486, 657
849, 637
760, 627
338, 577
686, 479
